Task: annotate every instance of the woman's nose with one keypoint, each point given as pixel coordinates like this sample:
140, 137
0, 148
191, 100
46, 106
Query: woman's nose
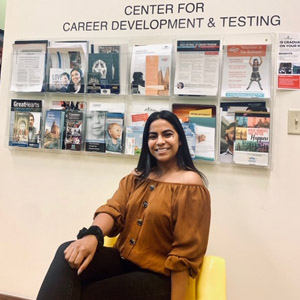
160, 140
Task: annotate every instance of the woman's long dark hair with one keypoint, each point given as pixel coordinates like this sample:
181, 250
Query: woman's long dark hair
147, 162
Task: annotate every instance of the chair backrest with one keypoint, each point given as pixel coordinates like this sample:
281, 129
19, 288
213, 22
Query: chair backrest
211, 281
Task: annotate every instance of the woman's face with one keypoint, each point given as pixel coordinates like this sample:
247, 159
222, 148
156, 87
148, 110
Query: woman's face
163, 141
76, 77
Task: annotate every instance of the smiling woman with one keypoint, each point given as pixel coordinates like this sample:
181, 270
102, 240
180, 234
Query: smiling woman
163, 142
164, 130
76, 83
161, 214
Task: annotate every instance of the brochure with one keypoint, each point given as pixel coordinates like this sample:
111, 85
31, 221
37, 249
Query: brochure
252, 138
68, 62
150, 69
28, 66
197, 67
246, 71
289, 61
199, 124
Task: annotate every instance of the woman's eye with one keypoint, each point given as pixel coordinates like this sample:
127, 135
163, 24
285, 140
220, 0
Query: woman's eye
168, 134
151, 137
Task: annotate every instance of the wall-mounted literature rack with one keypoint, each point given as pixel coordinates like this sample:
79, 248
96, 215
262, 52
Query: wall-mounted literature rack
95, 96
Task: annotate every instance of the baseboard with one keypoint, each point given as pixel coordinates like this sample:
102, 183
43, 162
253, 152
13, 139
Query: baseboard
7, 297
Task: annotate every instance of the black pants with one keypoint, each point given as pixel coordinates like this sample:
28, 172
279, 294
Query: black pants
108, 277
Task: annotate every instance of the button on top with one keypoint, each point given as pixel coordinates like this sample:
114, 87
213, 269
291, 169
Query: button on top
140, 222
145, 204
151, 187
132, 242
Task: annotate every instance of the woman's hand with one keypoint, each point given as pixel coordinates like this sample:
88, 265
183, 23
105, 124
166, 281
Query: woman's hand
81, 252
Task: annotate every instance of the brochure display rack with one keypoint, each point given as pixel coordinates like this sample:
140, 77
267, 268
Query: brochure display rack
96, 97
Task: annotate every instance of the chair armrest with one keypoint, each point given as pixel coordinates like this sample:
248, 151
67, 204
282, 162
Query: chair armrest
211, 281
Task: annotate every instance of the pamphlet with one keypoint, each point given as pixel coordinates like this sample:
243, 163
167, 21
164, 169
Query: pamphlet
28, 66
150, 69
246, 71
197, 67
289, 61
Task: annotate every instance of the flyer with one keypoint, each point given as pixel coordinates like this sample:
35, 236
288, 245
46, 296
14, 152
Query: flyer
229, 128
246, 71
150, 69
28, 66
289, 61
197, 67
252, 138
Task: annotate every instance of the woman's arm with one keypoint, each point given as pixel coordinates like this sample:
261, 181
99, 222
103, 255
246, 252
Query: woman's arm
179, 283
81, 252
105, 222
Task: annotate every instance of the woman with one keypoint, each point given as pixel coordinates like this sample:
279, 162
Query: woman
76, 83
161, 212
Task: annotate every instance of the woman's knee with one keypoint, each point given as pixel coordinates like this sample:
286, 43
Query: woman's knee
61, 249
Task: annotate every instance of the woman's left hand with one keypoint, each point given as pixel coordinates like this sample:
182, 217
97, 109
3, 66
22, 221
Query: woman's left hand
81, 252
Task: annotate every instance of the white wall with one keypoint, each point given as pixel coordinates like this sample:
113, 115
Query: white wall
46, 198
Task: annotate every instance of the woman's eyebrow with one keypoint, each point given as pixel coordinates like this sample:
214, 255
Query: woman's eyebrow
167, 130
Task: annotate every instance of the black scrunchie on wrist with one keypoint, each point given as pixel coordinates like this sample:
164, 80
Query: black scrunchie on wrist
93, 230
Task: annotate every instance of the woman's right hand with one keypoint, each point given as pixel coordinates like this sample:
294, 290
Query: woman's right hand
81, 252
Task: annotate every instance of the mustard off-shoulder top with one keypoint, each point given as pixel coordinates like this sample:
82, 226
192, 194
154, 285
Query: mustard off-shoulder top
163, 226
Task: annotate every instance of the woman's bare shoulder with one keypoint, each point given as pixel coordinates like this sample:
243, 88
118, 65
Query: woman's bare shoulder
190, 177
134, 172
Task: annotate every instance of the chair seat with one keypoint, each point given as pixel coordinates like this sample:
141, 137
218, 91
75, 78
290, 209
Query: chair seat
210, 284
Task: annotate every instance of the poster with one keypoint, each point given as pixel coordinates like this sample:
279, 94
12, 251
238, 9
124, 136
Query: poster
246, 71
289, 61
197, 67
150, 69
28, 66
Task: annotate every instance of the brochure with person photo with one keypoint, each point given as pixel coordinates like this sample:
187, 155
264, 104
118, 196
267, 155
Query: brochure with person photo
197, 67
67, 66
246, 71
114, 132
95, 131
150, 69
252, 138
25, 123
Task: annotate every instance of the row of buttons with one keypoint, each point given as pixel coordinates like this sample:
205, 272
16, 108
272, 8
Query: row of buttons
140, 221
